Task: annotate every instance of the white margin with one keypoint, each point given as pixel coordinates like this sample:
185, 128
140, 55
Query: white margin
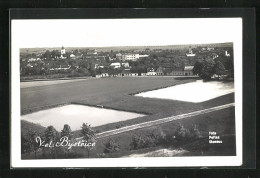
196, 161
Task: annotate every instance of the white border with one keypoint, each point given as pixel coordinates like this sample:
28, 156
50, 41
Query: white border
126, 162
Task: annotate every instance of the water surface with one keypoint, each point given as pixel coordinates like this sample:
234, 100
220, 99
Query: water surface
75, 115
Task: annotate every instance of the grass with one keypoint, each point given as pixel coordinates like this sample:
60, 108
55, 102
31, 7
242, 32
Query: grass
116, 93
103, 91
222, 122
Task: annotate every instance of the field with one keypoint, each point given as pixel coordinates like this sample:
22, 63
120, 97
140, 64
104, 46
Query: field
118, 94
222, 122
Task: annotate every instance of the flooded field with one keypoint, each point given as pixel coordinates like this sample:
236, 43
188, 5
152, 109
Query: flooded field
195, 92
75, 115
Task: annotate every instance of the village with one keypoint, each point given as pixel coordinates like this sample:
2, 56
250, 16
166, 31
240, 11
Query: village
119, 63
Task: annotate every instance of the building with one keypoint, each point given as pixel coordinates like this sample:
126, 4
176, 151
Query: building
119, 56
159, 71
188, 70
104, 75
72, 56
190, 54
125, 64
115, 65
226, 53
177, 72
150, 71
134, 74
130, 57
63, 53
126, 73
92, 52
214, 55
144, 55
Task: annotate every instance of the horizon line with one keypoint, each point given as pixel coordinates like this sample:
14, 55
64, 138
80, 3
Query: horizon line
129, 46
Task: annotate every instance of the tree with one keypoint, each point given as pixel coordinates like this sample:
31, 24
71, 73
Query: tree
24, 144
219, 69
197, 68
66, 132
207, 70
51, 136
89, 135
111, 146
31, 138
47, 55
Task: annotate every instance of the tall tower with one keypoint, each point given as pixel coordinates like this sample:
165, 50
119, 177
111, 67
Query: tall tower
190, 51
62, 52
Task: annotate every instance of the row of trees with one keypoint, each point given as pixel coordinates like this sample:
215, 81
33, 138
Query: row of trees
165, 139
209, 67
51, 135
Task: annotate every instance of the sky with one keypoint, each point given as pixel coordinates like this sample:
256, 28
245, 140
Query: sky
123, 32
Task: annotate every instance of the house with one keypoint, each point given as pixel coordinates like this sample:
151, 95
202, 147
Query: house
98, 75
210, 49
119, 56
92, 52
144, 55
115, 65
159, 71
188, 70
143, 74
125, 64
130, 57
72, 56
32, 60
214, 55
63, 53
177, 72
134, 74
104, 74
29, 65
150, 71
126, 73
226, 53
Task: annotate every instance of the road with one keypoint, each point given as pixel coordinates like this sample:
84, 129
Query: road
161, 121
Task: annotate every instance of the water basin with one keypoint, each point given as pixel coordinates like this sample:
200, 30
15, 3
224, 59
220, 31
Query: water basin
75, 115
196, 92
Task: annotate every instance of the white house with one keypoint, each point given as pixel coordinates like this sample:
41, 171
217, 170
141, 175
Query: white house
226, 53
134, 74
115, 65
104, 75
125, 64
151, 71
130, 57
188, 70
72, 56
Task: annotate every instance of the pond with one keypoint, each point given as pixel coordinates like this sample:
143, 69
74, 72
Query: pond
196, 92
75, 115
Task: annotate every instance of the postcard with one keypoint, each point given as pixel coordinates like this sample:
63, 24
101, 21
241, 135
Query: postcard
157, 92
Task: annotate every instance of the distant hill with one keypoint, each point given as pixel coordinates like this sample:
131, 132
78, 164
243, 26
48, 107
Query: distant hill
118, 48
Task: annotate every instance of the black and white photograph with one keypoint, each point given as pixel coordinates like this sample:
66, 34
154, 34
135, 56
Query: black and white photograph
155, 92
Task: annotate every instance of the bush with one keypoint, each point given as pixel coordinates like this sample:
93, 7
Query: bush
111, 146
143, 141
194, 132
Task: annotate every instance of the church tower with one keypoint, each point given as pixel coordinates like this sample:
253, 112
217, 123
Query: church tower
62, 52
